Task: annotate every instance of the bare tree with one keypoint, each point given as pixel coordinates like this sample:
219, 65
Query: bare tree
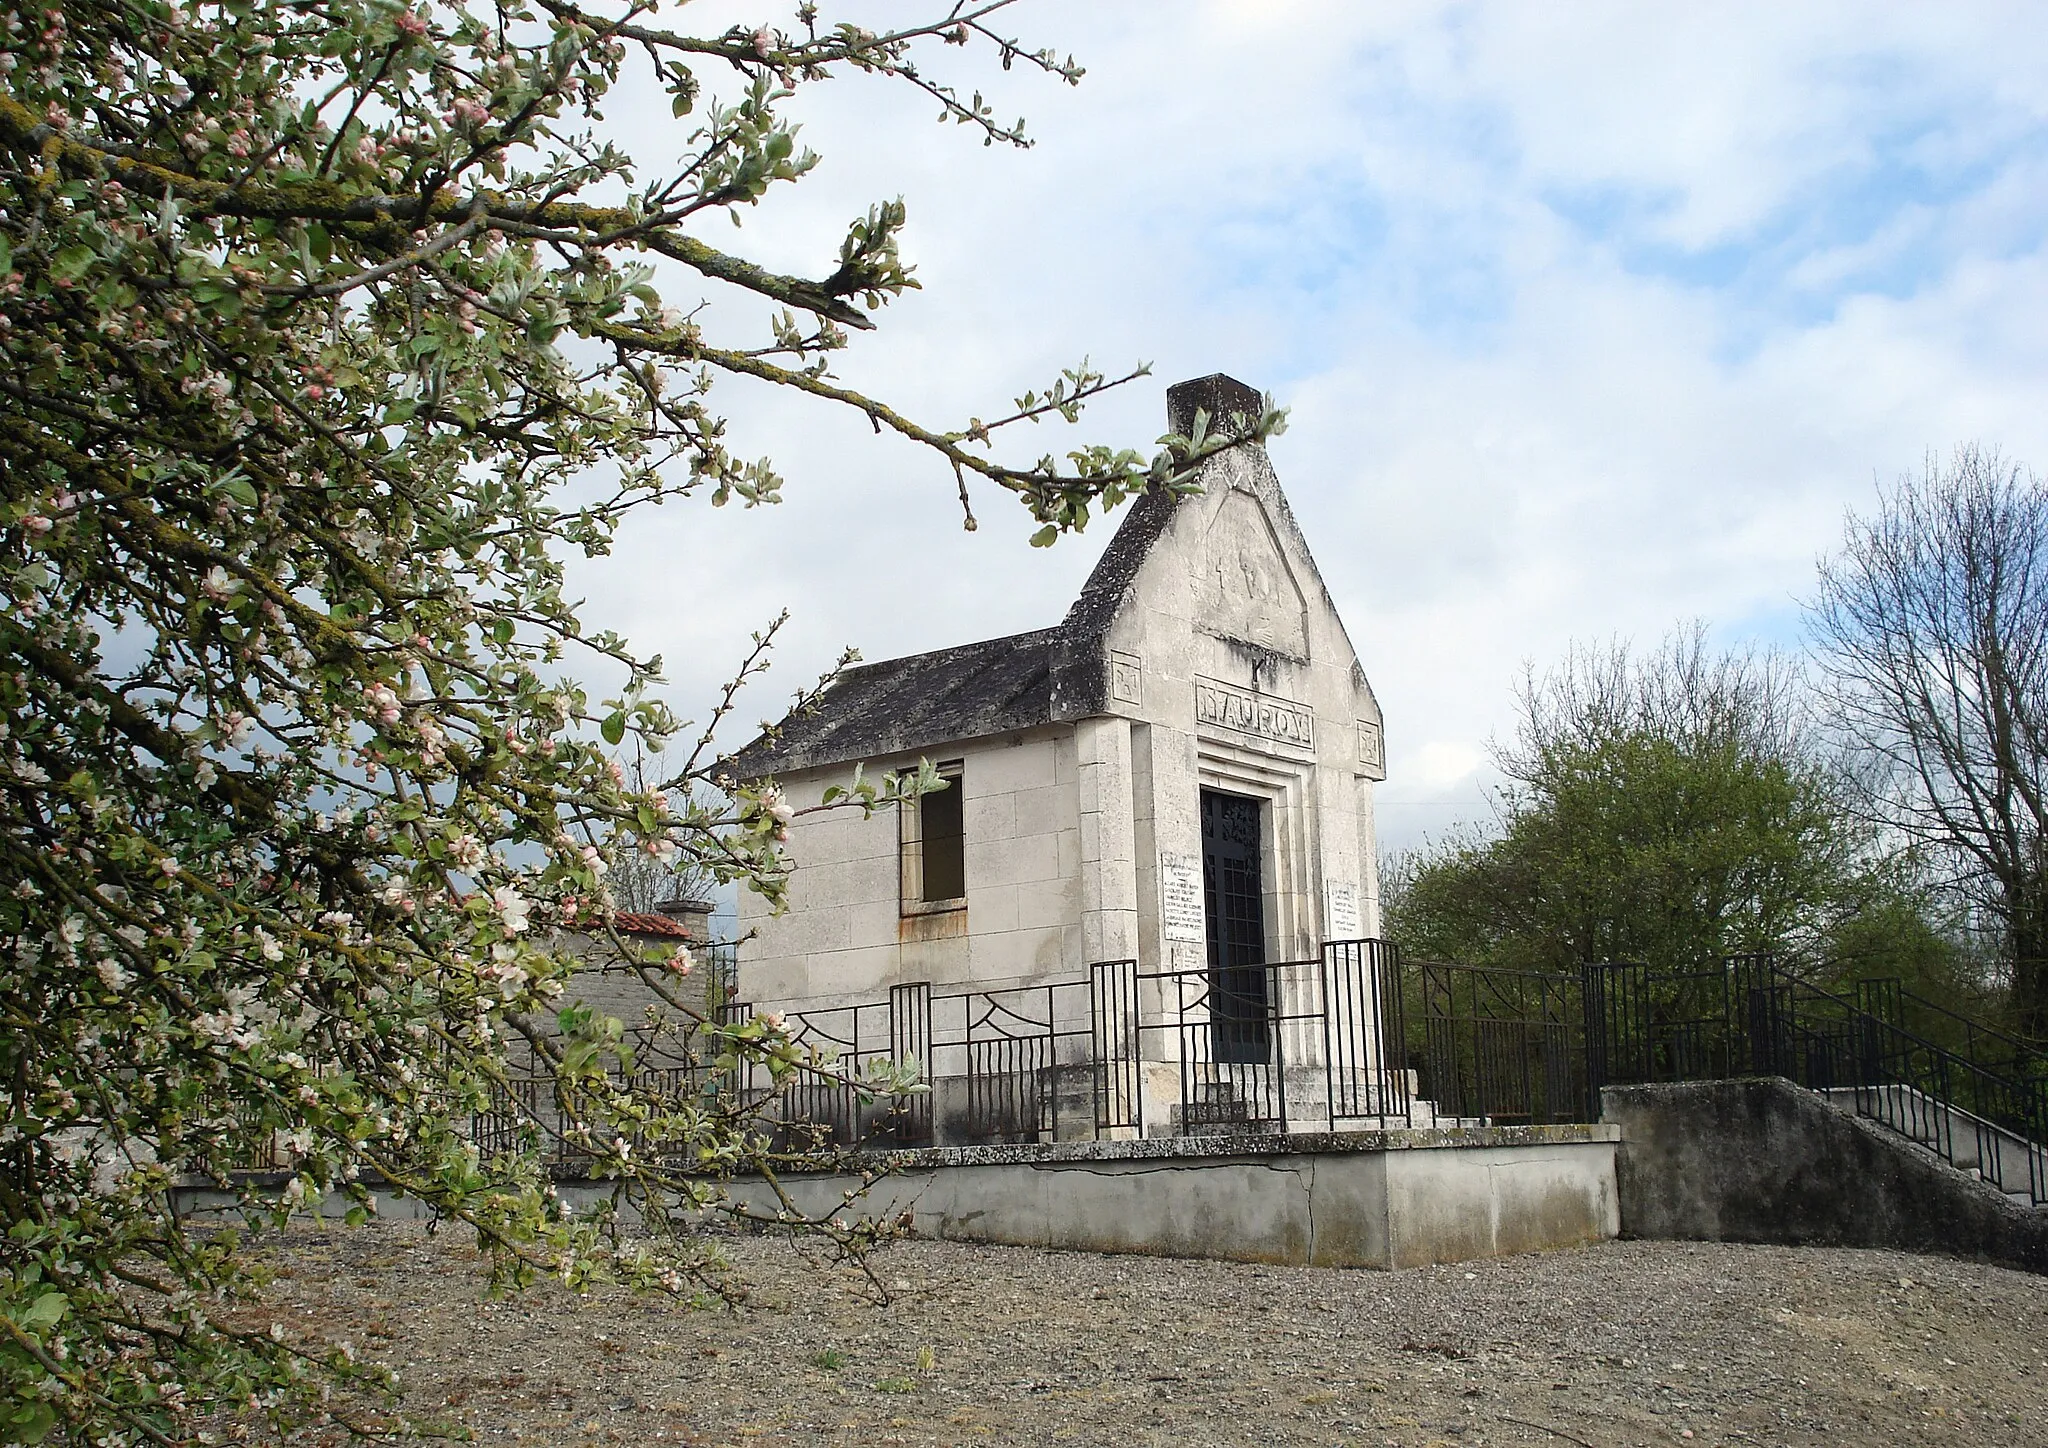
1933, 625
1685, 691
641, 881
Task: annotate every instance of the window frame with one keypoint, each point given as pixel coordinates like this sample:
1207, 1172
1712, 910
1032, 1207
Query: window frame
910, 847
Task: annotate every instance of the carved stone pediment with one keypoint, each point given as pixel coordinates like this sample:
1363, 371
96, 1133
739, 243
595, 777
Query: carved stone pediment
1246, 590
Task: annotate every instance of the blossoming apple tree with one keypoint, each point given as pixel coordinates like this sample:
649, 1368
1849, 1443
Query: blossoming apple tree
312, 309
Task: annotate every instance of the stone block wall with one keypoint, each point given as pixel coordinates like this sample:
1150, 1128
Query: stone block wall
845, 937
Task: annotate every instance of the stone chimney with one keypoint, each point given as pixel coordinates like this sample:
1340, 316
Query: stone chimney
1217, 394
693, 915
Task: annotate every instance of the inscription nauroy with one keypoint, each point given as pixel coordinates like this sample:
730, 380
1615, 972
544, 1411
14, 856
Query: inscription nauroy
1229, 707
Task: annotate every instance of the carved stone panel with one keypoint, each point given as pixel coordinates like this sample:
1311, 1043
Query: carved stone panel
1126, 677
1372, 750
1247, 591
1263, 716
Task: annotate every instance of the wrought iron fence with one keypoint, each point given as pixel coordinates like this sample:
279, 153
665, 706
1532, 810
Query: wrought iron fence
993, 1066
1501, 1046
1365, 1032
1996, 1050
1338, 1042
1113, 1045
1748, 1015
1659, 1025
1978, 1118
1277, 1046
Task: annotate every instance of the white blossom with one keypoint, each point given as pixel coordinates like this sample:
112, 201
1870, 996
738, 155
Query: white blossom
512, 908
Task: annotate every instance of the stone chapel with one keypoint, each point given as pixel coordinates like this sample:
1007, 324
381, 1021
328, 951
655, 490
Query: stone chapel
1178, 774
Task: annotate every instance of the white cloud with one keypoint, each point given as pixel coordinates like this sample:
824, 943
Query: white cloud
1520, 417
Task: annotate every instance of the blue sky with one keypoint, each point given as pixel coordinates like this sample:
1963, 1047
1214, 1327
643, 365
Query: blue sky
1593, 319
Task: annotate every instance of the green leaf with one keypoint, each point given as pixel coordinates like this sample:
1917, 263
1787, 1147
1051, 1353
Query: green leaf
46, 1311
72, 262
615, 728
319, 242
32, 1423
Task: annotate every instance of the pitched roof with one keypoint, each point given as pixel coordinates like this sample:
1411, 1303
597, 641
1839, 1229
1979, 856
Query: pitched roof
899, 705
973, 690
992, 687
633, 923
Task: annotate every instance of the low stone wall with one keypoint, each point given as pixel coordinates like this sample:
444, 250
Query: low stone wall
1765, 1161
1401, 1198
1397, 1198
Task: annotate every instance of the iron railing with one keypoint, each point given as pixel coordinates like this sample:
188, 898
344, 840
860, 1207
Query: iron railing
1651, 1025
993, 1066
1996, 1050
1748, 1015
1268, 1047
1977, 1118
1334, 1043
1500, 1046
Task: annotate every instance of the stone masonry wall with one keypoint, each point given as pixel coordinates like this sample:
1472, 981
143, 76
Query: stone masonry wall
845, 937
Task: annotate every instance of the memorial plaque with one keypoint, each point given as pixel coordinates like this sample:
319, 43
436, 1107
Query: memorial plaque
1340, 920
1282, 721
1180, 897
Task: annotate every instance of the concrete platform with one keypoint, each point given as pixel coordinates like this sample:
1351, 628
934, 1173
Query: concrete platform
1395, 1198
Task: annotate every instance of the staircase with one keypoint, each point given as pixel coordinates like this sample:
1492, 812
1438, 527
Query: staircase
1220, 1108
1983, 1149
1973, 1096
1762, 1159
1234, 1107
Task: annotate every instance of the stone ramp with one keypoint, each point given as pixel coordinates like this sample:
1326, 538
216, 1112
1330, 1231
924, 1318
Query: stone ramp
1765, 1160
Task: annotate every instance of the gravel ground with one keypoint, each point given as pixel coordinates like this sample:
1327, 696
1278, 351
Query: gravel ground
1626, 1343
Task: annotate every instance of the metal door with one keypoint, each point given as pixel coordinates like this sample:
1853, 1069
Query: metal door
1233, 891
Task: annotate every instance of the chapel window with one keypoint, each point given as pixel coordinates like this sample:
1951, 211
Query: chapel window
935, 845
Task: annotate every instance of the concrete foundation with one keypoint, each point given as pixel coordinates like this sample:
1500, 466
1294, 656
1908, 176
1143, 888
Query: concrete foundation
1399, 1198
1766, 1161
